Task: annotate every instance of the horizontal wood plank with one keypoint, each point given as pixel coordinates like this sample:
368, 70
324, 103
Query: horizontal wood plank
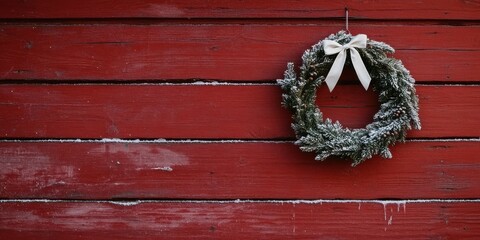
369, 220
255, 170
231, 52
209, 111
120, 189
394, 9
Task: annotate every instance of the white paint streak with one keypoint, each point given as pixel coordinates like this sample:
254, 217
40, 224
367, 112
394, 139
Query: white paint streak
142, 157
207, 82
384, 211
38, 161
210, 82
214, 83
167, 169
161, 140
293, 218
243, 201
125, 203
404, 207
398, 203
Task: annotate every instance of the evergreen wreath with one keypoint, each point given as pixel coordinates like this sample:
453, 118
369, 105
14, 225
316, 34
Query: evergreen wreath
389, 78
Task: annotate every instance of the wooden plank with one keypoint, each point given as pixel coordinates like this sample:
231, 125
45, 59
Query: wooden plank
209, 111
395, 9
230, 220
251, 170
231, 52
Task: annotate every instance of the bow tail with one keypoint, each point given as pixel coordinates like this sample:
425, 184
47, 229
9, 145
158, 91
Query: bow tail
360, 68
336, 70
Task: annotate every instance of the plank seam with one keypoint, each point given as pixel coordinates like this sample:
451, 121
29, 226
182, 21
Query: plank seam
204, 141
246, 201
197, 82
159, 140
159, 82
267, 21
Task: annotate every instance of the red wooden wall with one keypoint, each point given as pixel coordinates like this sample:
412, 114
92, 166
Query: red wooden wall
161, 119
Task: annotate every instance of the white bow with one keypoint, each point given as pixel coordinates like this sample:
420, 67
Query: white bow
332, 47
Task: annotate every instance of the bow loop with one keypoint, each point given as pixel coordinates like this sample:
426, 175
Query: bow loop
331, 47
359, 41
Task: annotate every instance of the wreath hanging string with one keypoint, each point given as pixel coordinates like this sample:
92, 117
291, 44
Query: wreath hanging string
386, 75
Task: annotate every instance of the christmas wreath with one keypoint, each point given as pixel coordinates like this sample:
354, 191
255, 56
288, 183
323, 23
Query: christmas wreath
386, 75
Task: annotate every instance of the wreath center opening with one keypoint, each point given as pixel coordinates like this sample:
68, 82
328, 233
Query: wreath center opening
350, 104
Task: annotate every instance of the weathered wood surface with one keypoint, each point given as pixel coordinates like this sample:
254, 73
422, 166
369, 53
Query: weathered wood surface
121, 43
393, 9
245, 170
240, 220
231, 52
209, 111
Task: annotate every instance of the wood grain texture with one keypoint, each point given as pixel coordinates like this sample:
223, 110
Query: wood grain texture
106, 184
255, 170
394, 9
230, 52
209, 111
240, 220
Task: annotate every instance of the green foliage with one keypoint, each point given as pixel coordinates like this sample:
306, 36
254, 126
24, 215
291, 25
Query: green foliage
390, 79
